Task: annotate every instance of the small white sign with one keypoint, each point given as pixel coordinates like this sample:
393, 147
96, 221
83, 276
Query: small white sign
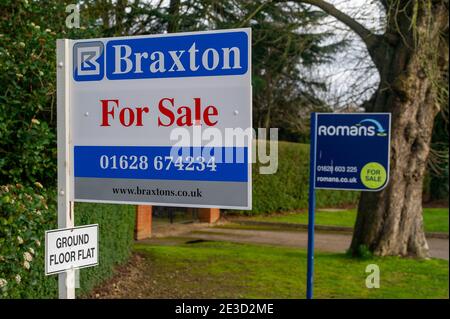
71, 248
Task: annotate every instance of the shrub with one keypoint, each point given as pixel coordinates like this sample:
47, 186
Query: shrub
25, 215
28, 33
287, 189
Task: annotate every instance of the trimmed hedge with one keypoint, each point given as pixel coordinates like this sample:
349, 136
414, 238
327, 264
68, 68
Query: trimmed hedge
287, 189
116, 227
25, 215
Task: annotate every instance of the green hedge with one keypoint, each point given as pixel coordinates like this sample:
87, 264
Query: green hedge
287, 189
116, 228
24, 217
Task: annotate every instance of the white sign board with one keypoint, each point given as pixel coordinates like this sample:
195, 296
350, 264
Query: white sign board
71, 248
154, 119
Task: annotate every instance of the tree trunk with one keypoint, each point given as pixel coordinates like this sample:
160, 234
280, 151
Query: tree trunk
174, 12
390, 221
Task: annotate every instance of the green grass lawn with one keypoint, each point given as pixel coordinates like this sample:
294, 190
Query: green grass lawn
435, 219
229, 270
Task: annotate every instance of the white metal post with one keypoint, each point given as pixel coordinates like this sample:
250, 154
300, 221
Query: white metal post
66, 281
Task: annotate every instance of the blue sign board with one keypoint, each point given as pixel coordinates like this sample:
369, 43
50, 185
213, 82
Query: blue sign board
352, 151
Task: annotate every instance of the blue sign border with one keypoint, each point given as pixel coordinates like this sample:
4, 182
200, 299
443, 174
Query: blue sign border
314, 149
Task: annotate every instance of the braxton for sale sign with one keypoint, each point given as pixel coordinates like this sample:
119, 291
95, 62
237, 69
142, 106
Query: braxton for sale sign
156, 119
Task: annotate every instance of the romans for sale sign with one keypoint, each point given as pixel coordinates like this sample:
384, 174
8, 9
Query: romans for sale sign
351, 150
162, 119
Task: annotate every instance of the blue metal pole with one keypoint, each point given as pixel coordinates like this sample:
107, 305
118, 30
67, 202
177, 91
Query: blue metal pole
311, 208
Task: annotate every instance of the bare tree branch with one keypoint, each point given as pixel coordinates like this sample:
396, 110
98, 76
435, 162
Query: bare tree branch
370, 39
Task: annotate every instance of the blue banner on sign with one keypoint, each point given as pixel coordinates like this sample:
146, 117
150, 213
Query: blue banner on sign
226, 164
177, 56
352, 151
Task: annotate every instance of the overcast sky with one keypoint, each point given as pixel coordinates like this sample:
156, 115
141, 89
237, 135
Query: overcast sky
352, 77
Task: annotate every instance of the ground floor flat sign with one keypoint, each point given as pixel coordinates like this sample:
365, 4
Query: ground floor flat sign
162, 119
352, 151
71, 248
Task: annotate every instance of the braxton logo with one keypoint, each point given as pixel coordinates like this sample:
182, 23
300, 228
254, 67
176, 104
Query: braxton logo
355, 130
88, 61
192, 55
